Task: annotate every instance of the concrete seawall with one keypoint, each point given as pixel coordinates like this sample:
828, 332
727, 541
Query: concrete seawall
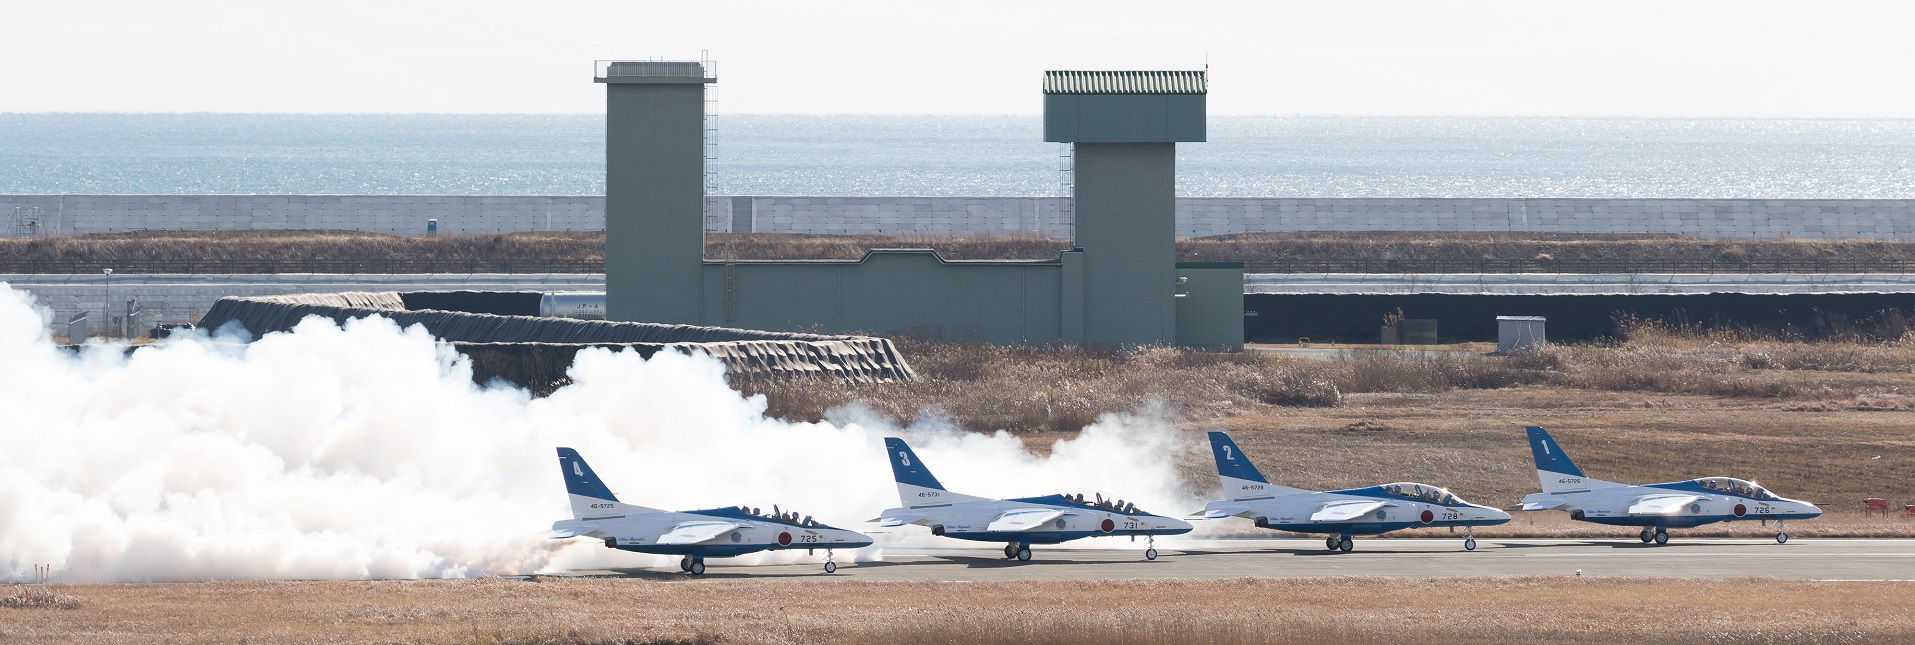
1049, 216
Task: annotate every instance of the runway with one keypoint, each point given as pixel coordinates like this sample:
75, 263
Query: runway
1801, 558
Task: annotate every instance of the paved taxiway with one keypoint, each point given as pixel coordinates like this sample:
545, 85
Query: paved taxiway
1801, 558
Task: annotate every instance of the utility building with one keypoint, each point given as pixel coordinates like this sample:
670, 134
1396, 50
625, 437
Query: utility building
1118, 282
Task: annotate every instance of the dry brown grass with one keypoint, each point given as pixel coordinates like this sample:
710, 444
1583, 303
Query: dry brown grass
1650, 409
337, 251
844, 610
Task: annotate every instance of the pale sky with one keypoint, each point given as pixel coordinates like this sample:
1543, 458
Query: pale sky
1540, 57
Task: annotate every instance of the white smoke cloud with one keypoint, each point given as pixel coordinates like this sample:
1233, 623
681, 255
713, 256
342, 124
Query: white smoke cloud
365, 451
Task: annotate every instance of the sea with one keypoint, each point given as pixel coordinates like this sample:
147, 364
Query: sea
1246, 156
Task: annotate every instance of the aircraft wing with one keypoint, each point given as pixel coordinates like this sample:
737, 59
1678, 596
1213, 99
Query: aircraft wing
697, 532
897, 520
1542, 504
1025, 519
1662, 504
1345, 511
572, 528
1219, 512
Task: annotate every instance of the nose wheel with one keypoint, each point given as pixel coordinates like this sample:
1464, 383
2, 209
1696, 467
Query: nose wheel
1150, 547
1469, 538
1781, 535
830, 567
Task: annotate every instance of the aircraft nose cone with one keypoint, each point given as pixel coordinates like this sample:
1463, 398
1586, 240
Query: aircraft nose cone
1496, 514
1177, 525
1811, 510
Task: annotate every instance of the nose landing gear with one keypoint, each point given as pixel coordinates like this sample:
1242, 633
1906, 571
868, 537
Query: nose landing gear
830, 567
1781, 535
1150, 547
1469, 538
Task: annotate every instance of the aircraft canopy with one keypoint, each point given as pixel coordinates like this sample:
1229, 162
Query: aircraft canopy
1423, 493
1733, 486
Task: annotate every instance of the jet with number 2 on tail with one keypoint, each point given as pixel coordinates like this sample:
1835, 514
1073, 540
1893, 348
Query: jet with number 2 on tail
1018, 523
718, 532
1654, 507
1342, 514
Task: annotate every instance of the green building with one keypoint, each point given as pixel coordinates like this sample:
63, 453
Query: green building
1119, 283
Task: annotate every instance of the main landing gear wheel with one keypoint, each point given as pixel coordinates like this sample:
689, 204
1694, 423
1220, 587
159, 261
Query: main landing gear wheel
1647, 535
1010, 551
685, 564
1662, 537
1469, 544
1023, 555
698, 567
1331, 543
1346, 544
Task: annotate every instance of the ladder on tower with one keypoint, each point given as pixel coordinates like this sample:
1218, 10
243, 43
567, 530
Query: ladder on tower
1066, 174
711, 140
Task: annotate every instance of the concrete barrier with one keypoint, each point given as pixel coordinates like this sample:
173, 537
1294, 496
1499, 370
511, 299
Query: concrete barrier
1880, 219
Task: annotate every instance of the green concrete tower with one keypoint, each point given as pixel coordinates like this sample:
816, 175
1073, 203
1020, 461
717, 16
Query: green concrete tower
654, 188
1123, 128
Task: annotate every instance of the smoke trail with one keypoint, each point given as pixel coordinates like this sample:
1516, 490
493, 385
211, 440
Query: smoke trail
366, 451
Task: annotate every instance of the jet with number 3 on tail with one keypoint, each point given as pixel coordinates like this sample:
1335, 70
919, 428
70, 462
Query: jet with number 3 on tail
718, 532
1343, 514
1018, 523
1654, 507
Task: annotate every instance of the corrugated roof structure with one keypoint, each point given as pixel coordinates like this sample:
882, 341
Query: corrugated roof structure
1151, 82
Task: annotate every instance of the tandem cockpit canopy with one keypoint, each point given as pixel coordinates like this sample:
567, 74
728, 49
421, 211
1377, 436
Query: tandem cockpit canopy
1423, 493
1097, 500
1733, 486
781, 516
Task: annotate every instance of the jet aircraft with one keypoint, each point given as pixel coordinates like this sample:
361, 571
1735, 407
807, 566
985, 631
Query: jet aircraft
1019, 523
1342, 514
718, 532
1654, 507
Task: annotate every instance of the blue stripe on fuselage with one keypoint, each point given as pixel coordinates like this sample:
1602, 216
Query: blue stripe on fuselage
1691, 521
1051, 537
1373, 528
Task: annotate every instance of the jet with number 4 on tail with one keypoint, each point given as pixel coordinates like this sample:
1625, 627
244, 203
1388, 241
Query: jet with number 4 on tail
718, 532
1018, 523
1654, 507
1343, 514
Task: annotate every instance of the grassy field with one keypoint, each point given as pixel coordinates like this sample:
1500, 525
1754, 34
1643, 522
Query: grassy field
1831, 422
843, 610
346, 251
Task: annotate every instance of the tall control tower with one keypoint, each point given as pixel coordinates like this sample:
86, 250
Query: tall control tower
1123, 128
654, 188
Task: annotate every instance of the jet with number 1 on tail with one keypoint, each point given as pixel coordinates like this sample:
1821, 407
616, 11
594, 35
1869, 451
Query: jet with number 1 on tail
718, 532
1654, 507
1343, 514
1018, 523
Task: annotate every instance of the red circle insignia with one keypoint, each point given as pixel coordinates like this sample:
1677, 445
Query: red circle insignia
784, 538
1428, 516
1741, 510
1109, 525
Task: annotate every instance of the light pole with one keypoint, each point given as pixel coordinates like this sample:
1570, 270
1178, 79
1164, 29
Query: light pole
106, 308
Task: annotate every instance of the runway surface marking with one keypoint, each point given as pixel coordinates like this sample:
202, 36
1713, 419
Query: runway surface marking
1802, 558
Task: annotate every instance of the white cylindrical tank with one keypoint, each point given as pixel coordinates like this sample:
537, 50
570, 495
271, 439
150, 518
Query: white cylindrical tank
581, 305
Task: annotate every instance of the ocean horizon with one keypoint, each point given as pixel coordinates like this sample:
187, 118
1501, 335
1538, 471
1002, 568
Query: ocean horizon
915, 155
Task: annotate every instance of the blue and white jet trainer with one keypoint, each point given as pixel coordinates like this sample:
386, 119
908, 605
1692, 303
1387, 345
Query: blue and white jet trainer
1340, 513
718, 532
1654, 507
1019, 523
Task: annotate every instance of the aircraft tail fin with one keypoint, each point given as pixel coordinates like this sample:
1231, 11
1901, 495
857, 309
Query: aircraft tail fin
590, 497
1553, 467
916, 485
1240, 477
